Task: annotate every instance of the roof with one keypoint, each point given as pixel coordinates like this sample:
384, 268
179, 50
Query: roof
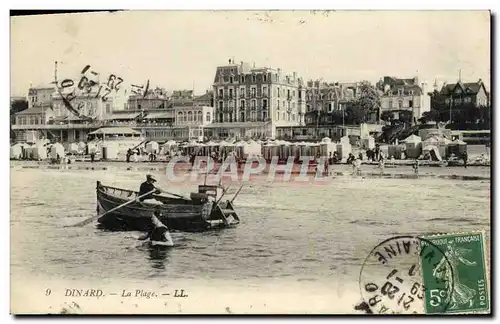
122, 116
115, 130
468, 87
32, 111
155, 115
406, 89
236, 125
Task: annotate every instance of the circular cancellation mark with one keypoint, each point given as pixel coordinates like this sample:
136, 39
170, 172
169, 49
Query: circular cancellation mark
406, 275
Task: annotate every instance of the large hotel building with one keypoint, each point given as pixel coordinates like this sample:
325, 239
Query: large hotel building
252, 102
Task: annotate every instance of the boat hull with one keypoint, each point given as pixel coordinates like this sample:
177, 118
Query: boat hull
177, 213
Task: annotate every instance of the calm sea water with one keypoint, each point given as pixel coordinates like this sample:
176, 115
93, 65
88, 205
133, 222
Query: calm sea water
288, 231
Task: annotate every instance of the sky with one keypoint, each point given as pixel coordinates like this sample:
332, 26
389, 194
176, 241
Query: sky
181, 49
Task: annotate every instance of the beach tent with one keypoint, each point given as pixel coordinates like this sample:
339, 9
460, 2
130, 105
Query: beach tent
109, 151
74, 148
433, 150
457, 147
57, 149
152, 147
16, 151
413, 145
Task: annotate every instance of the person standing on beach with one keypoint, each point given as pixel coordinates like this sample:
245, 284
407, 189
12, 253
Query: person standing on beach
415, 167
466, 158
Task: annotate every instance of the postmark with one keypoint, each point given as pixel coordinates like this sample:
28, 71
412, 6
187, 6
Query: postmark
391, 280
466, 253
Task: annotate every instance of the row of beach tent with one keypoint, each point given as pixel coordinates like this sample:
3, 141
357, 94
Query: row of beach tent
38, 151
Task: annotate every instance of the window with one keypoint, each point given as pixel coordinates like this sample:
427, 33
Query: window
279, 92
400, 104
231, 79
242, 79
207, 117
410, 103
221, 104
230, 93
200, 116
284, 116
242, 104
264, 115
253, 78
264, 91
253, 115
253, 92
277, 115
180, 116
288, 94
330, 107
242, 92
253, 104
32, 120
264, 77
468, 99
400, 92
278, 104
190, 116
264, 103
221, 92
221, 117
242, 116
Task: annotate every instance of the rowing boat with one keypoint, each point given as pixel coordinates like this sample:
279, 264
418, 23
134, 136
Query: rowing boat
202, 211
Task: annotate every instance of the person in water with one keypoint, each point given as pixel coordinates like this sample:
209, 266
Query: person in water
158, 233
146, 187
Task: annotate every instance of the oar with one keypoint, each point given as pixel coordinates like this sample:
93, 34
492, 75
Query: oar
176, 195
236, 194
91, 219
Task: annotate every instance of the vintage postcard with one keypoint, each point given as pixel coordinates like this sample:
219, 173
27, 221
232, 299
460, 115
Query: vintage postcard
250, 162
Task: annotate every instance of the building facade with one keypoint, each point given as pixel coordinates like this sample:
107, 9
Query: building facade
459, 93
40, 96
403, 95
323, 99
251, 102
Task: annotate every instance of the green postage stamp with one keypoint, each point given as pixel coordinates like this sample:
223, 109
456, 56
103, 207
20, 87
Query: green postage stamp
457, 281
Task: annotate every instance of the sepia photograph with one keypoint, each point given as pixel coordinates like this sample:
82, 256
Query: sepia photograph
243, 162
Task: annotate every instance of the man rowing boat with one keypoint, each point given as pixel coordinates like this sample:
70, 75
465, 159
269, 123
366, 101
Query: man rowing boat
158, 234
148, 186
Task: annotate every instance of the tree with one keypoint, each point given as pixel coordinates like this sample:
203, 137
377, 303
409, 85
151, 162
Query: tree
16, 106
429, 116
366, 104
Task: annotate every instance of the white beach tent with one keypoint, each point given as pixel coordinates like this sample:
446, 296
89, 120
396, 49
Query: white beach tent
152, 147
56, 149
109, 151
16, 151
74, 148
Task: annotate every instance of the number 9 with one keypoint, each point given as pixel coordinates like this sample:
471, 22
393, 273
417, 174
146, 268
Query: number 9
48, 292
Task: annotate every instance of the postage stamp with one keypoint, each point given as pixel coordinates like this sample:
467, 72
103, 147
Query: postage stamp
391, 280
433, 274
464, 265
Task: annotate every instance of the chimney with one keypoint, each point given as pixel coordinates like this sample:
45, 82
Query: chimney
294, 75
